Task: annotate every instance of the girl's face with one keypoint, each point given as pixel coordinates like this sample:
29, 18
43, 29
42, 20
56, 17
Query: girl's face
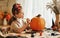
20, 15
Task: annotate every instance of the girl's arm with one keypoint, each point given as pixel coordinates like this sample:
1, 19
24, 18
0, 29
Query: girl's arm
17, 28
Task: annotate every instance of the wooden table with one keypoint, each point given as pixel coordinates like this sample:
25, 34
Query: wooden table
46, 34
37, 35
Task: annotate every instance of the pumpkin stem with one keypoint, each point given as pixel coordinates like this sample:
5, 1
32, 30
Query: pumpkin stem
38, 15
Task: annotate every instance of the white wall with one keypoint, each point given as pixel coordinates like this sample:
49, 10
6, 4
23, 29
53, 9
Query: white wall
33, 7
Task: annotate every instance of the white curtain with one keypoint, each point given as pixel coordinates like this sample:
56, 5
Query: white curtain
33, 7
27, 7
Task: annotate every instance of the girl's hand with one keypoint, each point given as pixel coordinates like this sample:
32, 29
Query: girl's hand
28, 20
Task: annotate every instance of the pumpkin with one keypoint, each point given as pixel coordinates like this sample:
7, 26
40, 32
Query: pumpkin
54, 28
8, 16
37, 24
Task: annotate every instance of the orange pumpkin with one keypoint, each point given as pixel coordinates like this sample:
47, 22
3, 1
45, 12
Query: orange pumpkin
37, 23
8, 16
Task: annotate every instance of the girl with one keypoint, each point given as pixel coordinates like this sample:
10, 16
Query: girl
17, 22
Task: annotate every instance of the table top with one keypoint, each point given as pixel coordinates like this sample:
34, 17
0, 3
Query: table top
45, 34
27, 33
